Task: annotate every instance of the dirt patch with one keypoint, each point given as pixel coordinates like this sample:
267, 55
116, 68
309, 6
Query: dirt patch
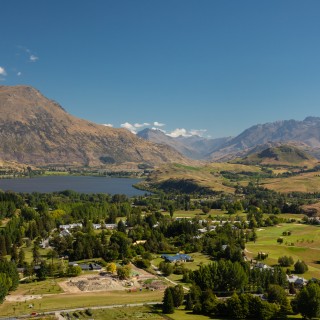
105, 282
20, 297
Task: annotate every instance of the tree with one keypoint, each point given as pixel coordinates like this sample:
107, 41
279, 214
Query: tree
171, 210
300, 267
280, 240
121, 226
166, 268
21, 257
307, 301
285, 261
189, 303
235, 308
123, 272
168, 305
277, 294
36, 253
177, 295
74, 271
111, 267
51, 255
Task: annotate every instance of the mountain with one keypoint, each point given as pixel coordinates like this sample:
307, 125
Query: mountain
194, 147
279, 154
306, 132
38, 131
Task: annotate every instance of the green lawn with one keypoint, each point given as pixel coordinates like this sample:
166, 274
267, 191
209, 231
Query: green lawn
180, 314
48, 286
143, 312
69, 301
303, 244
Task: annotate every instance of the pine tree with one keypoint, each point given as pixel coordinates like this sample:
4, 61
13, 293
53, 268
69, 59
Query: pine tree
189, 304
168, 306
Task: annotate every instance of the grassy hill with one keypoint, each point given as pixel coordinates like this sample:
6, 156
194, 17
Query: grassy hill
282, 155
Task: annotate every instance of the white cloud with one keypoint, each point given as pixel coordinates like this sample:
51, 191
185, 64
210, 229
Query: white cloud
3, 71
198, 132
19, 74
155, 128
33, 58
134, 127
185, 133
128, 126
140, 125
178, 132
108, 125
158, 124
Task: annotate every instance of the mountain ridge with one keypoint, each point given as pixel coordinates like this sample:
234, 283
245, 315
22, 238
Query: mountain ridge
37, 130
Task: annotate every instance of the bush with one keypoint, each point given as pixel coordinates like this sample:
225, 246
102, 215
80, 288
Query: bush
285, 261
300, 267
89, 312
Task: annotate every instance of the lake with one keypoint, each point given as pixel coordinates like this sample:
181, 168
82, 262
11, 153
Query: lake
81, 184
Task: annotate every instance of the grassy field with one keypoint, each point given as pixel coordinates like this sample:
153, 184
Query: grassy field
306, 182
180, 314
48, 286
143, 312
69, 301
303, 244
199, 258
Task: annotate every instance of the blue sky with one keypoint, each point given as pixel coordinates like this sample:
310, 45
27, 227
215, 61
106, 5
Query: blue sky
219, 66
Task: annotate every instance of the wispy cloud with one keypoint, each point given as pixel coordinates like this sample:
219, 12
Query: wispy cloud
129, 127
158, 124
140, 125
107, 125
3, 71
32, 57
198, 132
178, 132
134, 127
185, 133
19, 74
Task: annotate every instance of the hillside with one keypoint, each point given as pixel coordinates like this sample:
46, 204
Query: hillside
38, 131
279, 155
306, 132
194, 147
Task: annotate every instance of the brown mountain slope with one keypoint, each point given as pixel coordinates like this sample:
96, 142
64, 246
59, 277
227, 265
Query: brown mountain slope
36, 130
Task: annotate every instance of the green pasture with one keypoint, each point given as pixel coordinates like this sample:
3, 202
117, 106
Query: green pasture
78, 300
143, 312
302, 244
181, 314
48, 286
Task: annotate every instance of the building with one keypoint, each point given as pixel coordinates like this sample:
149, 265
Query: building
179, 257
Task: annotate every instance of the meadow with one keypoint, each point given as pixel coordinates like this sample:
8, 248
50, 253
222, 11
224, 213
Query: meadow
302, 244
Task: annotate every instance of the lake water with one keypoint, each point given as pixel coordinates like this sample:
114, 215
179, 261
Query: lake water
82, 184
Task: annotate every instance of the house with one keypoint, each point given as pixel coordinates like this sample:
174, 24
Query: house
96, 226
111, 226
70, 226
262, 266
65, 233
181, 257
297, 281
86, 267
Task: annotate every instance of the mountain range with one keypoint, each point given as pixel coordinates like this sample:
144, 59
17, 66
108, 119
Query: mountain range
302, 134
36, 130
